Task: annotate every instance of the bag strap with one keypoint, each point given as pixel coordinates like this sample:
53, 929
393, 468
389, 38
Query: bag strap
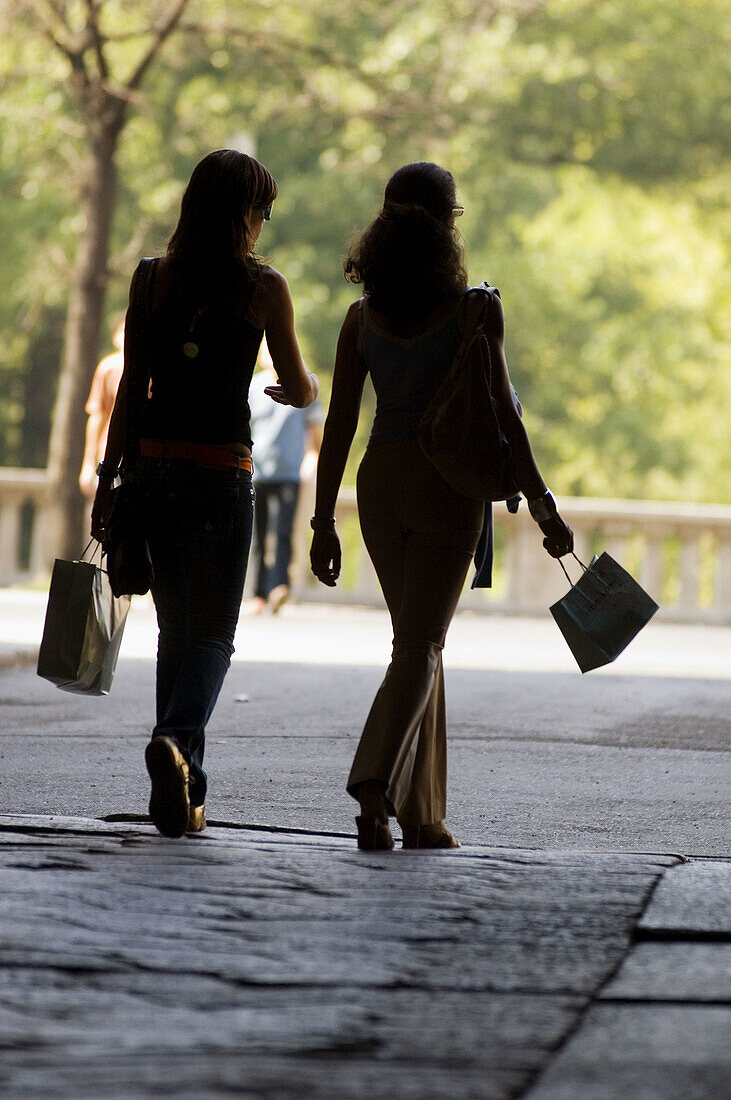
135, 358
477, 328
566, 573
360, 323
94, 552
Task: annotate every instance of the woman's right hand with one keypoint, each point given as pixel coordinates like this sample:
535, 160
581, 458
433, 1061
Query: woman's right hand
559, 538
325, 556
297, 386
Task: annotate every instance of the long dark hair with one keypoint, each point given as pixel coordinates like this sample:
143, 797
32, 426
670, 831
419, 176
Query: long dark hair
211, 249
410, 258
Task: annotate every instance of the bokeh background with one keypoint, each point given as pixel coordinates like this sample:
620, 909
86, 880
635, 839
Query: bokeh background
589, 146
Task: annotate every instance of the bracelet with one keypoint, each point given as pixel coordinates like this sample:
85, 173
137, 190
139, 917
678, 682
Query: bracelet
322, 524
543, 508
102, 471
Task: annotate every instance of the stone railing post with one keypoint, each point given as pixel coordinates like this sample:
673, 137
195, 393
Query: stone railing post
19, 487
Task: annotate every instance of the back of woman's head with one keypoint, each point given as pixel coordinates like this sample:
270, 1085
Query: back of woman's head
211, 248
410, 259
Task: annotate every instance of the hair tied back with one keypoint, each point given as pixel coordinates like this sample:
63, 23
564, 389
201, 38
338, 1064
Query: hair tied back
405, 209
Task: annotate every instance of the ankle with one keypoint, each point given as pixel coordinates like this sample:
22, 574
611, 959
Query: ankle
372, 800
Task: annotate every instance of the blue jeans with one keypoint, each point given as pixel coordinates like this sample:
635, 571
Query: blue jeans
198, 524
274, 500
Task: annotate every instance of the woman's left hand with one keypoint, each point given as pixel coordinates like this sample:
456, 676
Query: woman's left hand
559, 538
325, 557
102, 509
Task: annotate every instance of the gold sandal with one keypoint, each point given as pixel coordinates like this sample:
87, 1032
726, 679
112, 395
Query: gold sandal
196, 819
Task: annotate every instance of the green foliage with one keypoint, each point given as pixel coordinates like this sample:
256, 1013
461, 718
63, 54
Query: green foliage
587, 144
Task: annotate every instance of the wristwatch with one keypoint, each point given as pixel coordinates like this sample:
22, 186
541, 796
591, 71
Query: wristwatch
102, 471
322, 524
543, 508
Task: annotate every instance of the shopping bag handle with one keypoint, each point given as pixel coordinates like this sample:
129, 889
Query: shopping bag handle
603, 583
566, 572
93, 553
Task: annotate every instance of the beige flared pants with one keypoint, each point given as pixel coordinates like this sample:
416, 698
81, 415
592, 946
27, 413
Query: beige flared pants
421, 537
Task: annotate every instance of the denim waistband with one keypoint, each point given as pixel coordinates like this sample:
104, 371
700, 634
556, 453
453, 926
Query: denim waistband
182, 471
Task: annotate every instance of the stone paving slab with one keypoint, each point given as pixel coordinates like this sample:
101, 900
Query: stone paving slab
646, 1052
693, 899
669, 971
273, 964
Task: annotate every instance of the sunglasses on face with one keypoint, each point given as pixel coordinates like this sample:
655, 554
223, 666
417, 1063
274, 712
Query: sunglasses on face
266, 213
458, 211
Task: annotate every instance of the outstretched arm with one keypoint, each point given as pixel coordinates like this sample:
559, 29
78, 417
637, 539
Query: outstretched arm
297, 386
342, 420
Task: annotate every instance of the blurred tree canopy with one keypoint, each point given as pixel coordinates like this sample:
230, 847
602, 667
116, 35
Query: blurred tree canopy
588, 145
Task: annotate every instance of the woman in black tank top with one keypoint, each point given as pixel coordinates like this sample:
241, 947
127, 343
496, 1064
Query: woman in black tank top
420, 534
182, 440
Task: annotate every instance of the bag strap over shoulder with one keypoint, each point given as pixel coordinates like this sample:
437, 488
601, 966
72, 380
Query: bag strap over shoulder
476, 305
361, 322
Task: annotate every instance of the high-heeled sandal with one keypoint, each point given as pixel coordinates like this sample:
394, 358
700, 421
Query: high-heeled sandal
373, 835
428, 836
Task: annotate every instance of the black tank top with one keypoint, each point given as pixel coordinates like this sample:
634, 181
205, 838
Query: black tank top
201, 368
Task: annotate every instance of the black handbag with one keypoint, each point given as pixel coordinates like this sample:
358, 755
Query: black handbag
460, 432
128, 560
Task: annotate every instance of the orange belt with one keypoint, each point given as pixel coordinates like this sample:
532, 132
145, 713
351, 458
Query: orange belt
207, 455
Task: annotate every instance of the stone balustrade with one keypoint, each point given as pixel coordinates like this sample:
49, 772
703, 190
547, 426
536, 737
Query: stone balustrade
25, 555
681, 553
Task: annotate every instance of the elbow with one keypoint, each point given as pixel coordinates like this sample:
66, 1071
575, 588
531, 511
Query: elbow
512, 425
303, 395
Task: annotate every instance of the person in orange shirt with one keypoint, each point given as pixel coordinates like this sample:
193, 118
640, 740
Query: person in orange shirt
99, 407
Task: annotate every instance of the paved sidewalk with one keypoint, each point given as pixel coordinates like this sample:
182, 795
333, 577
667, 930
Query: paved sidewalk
633, 757
549, 960
262, 963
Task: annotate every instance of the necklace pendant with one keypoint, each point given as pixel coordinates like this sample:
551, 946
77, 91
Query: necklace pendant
190, 350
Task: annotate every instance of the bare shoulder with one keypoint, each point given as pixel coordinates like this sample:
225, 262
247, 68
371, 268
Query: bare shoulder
271, 299
351, 331
113, 361
162, 277
273, 284
350, 321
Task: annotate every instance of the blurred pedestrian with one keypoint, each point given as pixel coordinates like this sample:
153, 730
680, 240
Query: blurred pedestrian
210, 299
286, 445
419, 532
99, 408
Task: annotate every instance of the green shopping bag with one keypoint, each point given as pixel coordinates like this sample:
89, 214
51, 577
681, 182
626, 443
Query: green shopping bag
602, 612
83, 629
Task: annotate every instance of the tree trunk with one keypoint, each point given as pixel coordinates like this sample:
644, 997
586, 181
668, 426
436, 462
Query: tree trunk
81, 344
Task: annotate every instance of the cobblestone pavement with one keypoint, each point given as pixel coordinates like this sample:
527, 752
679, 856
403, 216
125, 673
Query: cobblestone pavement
548, 959
259, 963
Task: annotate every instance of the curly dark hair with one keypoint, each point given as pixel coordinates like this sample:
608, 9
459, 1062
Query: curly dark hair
211, 249
410, 258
